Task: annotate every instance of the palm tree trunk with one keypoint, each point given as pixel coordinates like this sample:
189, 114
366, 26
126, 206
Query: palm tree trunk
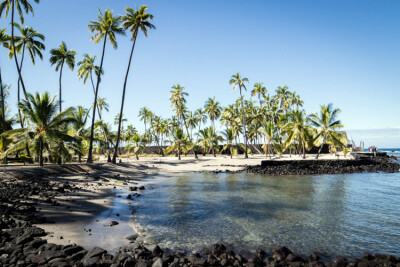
320, 149
244, 124
3, 104
114, 159
304, 150
269, 149
212, 138
89, 159
187, 131
40, 153
28, 153
62, 65
179, 152
101, 125
13, 46
19, 83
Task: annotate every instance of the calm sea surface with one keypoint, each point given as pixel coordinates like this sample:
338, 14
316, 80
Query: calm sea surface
330, 214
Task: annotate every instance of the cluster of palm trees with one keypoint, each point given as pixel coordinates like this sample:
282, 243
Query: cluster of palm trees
278, 122
42, 129
47, 132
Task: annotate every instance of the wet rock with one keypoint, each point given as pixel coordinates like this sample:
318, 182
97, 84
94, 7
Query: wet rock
95, 252
113, 223
132, 238
160, 263
157, 251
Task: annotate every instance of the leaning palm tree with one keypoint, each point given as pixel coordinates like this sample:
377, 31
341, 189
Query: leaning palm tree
45, 125
237, 81
327, 124
135, 20
106, 27
20, 5
31, 41
59, 56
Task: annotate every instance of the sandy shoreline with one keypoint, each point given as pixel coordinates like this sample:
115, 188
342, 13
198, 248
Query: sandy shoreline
94, 187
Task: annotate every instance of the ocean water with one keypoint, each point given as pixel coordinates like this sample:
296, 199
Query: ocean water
335, 215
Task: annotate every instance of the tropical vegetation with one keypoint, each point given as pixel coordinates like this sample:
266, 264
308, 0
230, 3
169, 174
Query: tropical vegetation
270, 122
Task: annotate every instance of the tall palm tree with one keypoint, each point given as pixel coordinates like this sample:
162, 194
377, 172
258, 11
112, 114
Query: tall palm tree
5, 123
237, 81
4, 42
178, 101
106, 27
144, 115
298, 128
259, 90
213, 110
135, 20
20, 5
85, 72
327, 124
59, 56
45, 125
283, 94
29, 40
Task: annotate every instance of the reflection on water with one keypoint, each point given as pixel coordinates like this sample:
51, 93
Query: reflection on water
331, 214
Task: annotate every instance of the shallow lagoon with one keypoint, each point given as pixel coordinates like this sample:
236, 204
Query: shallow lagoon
330, 214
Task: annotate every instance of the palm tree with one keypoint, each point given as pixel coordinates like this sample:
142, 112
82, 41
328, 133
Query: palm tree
259, 90
60, 56
5, 123
201, 118
213, 110
106, 27
79, 129
136, 143
144, 115
268, 130
179, 142
229, 136
283, 94
85, 72
21, 5
327, 124
237, 81
45, 125
4, 42
205, 136
178, 101
297, 128
31, 41
135, 20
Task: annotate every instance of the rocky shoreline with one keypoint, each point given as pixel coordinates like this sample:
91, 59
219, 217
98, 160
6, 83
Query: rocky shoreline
22, 244
360, 164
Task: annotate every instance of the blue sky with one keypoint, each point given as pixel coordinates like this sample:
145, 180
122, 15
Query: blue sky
344, 52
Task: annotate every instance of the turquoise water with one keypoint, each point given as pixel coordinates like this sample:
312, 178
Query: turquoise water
331, 214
